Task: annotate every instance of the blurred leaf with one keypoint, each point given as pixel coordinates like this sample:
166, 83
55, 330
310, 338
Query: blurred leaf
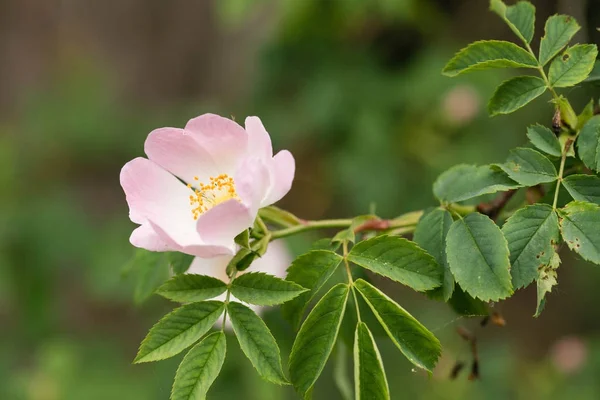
347, 235
264, 290
515, 93
579, 227
519, 17
179, 262
586, 114
325, 244
594, 76
479, 258
150, 269
257, 342
189, 288
199, 368
178, 330
573, 66
340, 372
544, 139
370, 382
430, 234
316, 338
588, 143
311, 271
463, 182
531, 234
545, 281
400, 260
463, 304
583, 187
529, 167
558, 32
488, 54
417, 343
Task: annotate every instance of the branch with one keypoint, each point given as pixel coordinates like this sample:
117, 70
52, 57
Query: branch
493, 208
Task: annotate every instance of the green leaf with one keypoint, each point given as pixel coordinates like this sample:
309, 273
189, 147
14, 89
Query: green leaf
199, 368
463, 182
341, 377
478, 257
189, 288
400, 260
463, 304
264, 290
514, 94
347, 235
579, 226
487, 54
588, 143
529, 167
316, 339
519, 17
430, 234
325, 244
417, 343
531, 234
369, 376
583, 187
545, 281
279, 216
573, 66
595, 74
310, 270
179, 262
149, 269
558, 32
257, 342
586, 114
243, 239
178, 330
544, 139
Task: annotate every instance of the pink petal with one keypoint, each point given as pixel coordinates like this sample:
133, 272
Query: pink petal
179, 153
252, 182
223, 222
155, 195
222, 138
259, 141
198, 250
282, 171
214, 267
144, 237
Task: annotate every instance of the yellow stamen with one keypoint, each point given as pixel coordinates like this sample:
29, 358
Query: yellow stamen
220, 189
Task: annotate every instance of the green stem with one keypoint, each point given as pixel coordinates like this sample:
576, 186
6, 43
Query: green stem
408, 220
227, 298
561, 171
350, 280
262, 225
540, 68
311, 226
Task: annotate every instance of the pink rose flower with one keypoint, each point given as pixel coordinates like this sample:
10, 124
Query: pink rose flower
202, 185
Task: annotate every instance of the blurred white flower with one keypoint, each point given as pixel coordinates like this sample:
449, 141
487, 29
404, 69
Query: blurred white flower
274, 262
569, 354
461, 104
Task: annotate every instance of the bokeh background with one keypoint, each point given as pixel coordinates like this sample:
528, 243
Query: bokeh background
353, 88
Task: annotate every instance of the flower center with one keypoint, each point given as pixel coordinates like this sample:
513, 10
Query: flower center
206, 196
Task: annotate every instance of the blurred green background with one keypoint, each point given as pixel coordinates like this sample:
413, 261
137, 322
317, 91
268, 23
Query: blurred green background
353, 88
